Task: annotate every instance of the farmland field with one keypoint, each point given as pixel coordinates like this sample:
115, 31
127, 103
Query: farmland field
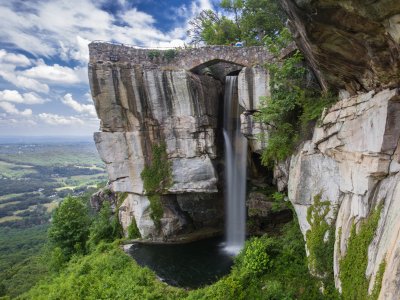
35, 176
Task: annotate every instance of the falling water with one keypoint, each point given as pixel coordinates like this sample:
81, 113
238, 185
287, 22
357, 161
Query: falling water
235, 169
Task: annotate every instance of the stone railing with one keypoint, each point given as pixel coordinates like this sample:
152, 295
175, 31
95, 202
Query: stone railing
178, 58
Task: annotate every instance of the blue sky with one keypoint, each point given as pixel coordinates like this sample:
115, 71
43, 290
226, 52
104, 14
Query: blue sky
43, 55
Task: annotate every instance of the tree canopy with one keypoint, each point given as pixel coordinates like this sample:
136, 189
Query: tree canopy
248, 21
70, 226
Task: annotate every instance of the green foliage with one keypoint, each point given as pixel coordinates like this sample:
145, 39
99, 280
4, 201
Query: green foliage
279, 202
320, 249
292, 105
245, 20
106, 273
70, 226
267, 268
20, 265
213, 29
22, 276
280, 274
133, 230
254, 258
354, 264
157, 177
57, 259
105, 226
320, 239
378, 282
170, 54
152, 54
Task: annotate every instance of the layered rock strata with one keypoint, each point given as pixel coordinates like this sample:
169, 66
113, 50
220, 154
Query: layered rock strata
143, 101
350, 44
353, 162
140, 108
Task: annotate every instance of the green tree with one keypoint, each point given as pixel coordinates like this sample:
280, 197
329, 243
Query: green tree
246, 20
105, 226
293, 105
70, 226
213, 29
261, 18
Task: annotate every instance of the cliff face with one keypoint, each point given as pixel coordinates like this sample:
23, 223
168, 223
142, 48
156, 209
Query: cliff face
146, 103
353, 162
353, 158
350, 44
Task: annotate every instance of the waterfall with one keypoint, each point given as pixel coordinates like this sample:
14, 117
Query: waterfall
235, 169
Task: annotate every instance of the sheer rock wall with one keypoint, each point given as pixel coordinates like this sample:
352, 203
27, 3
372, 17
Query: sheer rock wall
354, 155
143, 101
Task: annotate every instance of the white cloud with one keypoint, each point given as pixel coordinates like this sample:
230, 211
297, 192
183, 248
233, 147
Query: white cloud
54, 73
75, 105
12, 110
14, 59
54, 119
64, 28
16, 97
8, 64
24, 82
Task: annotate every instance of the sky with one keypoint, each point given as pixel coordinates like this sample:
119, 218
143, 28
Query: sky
44, 88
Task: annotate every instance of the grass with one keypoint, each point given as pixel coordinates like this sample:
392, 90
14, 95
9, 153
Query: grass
7, 203
13, 170
84, 154
10, 218
9, 196
51, 206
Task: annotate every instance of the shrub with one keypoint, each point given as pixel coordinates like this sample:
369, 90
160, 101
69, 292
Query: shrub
153, 54
170, 54
105, 226
157, 177
133, 230
354, 264
320, 249
292, 105
254, 258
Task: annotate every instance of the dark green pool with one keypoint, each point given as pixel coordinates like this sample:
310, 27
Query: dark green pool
186, 265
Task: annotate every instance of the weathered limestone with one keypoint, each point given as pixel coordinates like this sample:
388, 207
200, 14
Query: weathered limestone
348, 162
149, 97
253, 86
350, 44
141, 107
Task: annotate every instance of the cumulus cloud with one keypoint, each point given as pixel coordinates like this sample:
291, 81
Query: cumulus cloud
8, 71
75, 105
39, 26
54, 73
54, 119
17, 97
12, 110
14, 58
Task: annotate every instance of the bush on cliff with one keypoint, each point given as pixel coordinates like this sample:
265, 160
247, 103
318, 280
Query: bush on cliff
294, 103
70, 226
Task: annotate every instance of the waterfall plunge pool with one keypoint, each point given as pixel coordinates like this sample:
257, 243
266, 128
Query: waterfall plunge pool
190, 265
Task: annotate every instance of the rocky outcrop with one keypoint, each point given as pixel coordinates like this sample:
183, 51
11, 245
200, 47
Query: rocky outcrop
140, 108
353, 162
253, 87
350, 44
147, 98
